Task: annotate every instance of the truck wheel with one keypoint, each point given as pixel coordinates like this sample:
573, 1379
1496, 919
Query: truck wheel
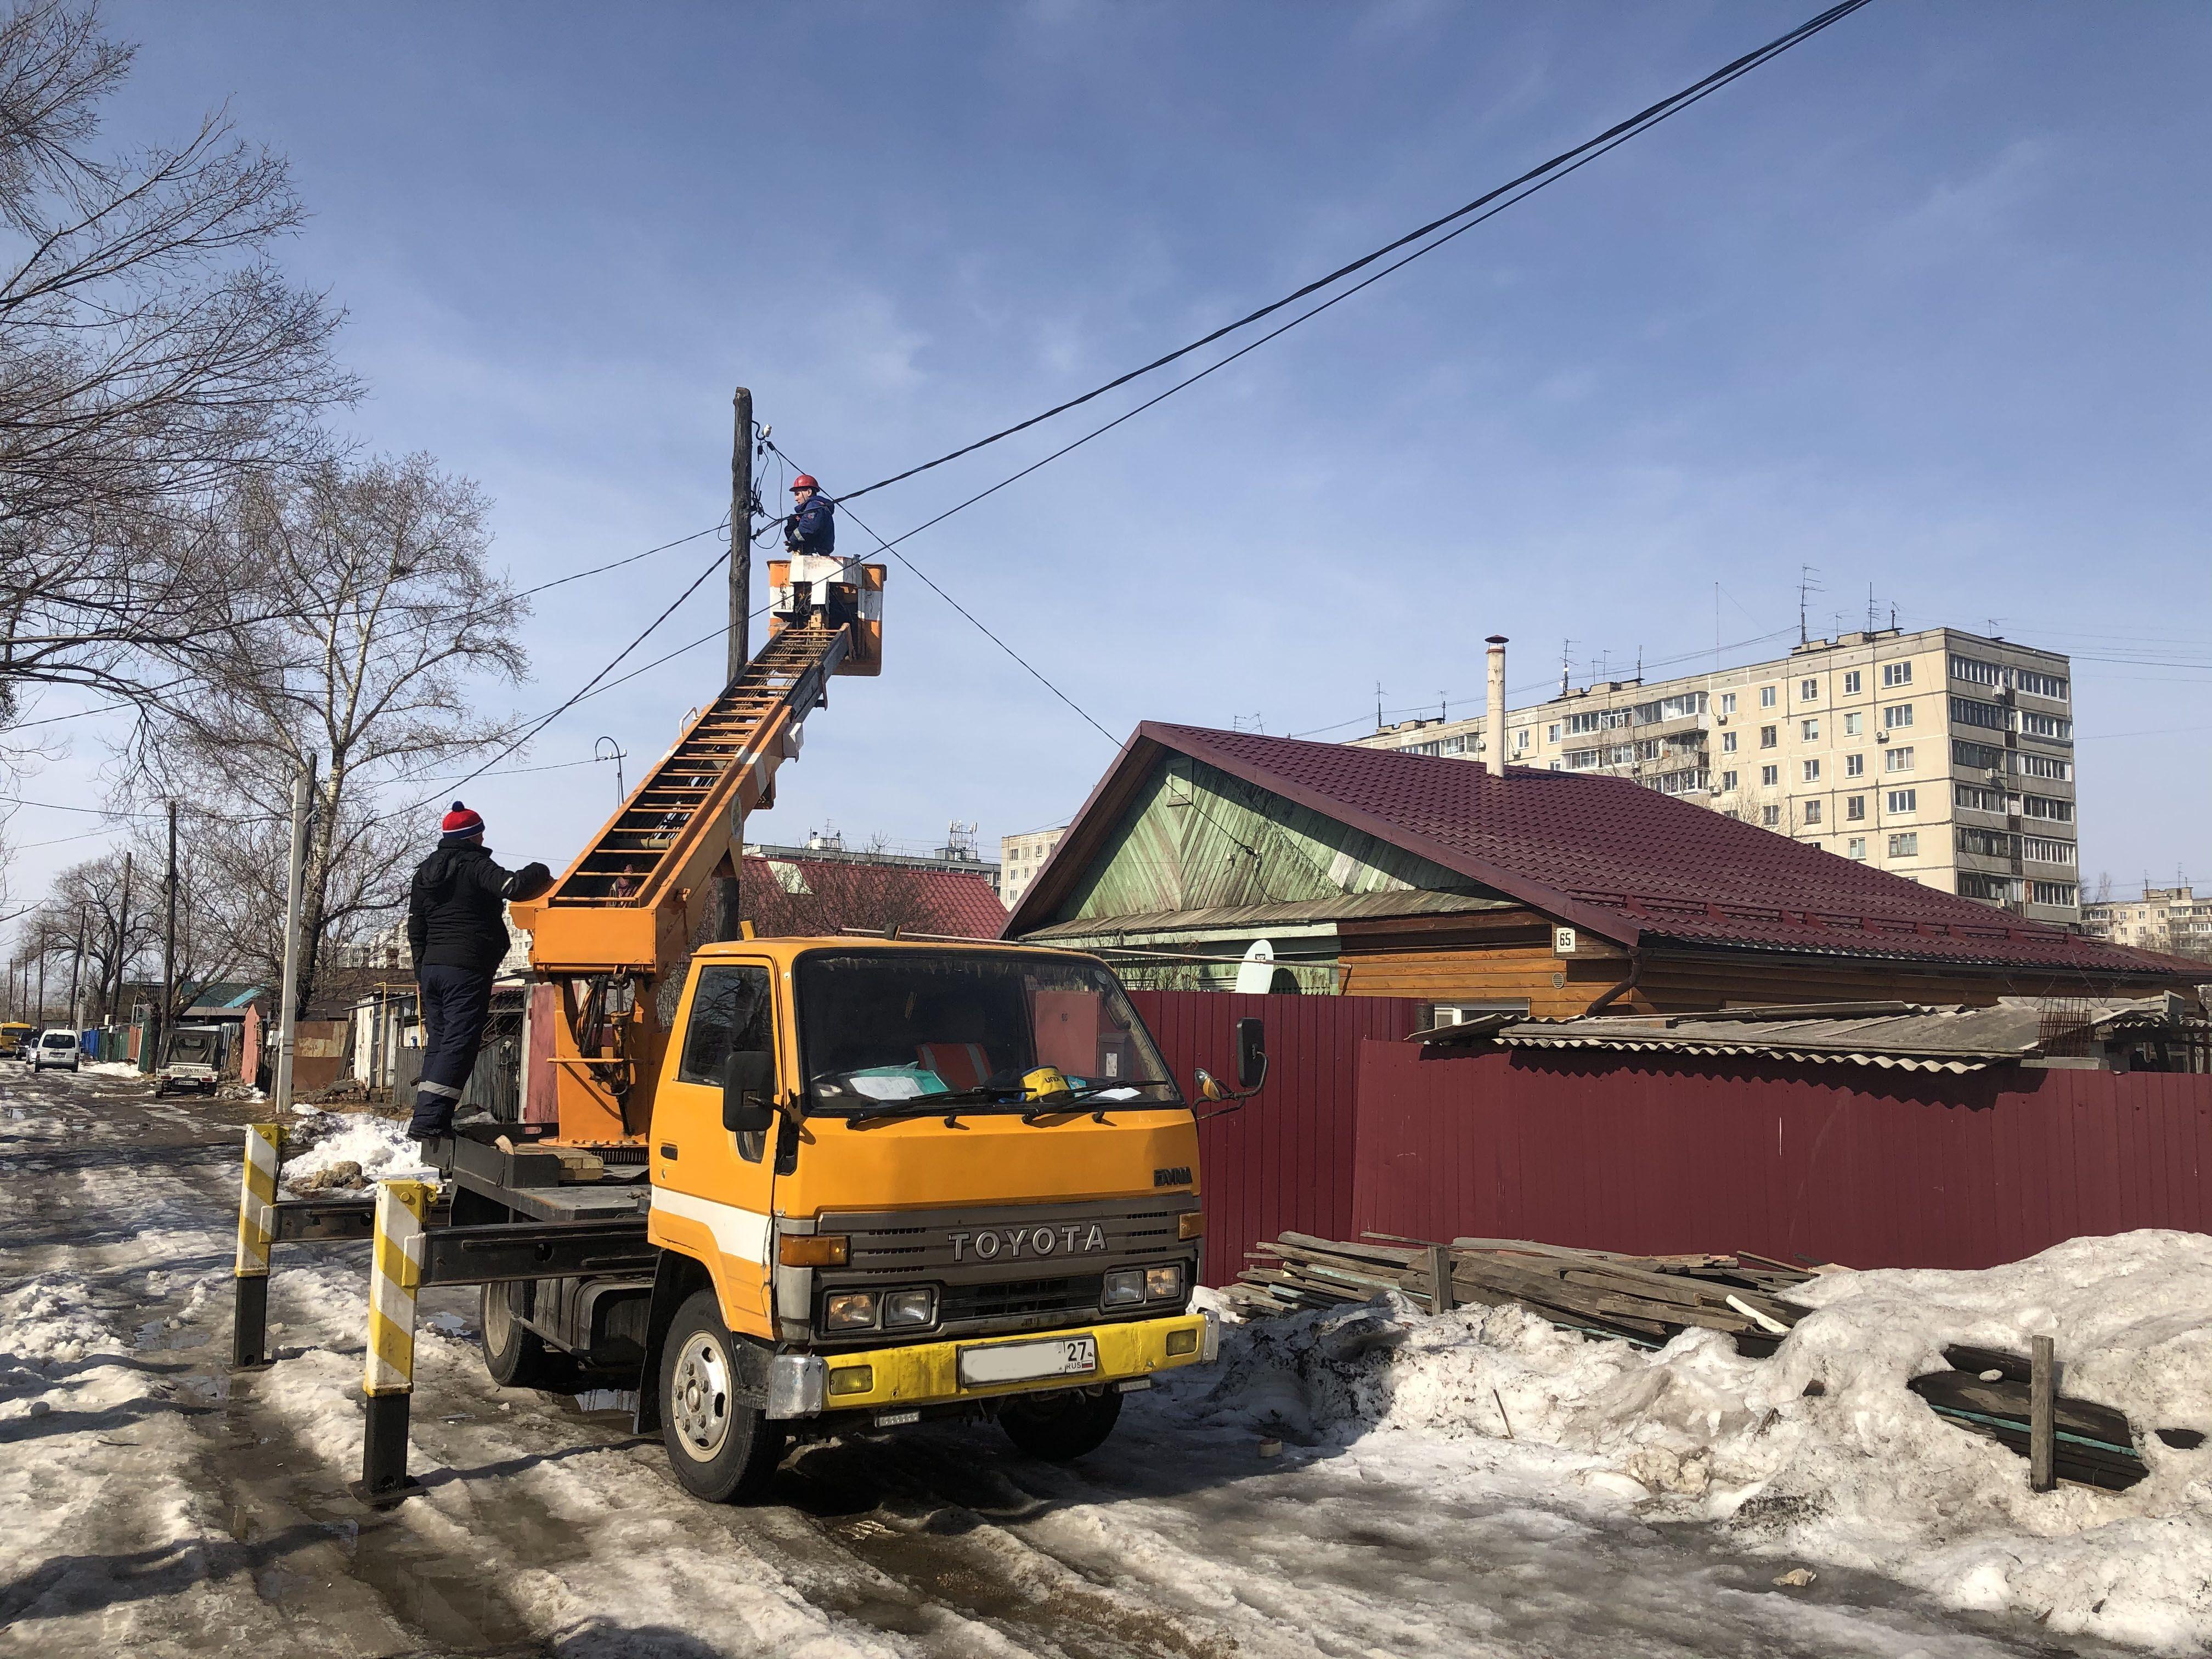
722, 1445
517, 1356
1060, 1427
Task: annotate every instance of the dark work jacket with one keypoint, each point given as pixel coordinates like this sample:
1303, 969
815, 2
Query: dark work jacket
455, 910
813, 528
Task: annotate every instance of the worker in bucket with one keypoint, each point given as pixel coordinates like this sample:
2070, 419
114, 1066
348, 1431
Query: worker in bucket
812, 525
457, 933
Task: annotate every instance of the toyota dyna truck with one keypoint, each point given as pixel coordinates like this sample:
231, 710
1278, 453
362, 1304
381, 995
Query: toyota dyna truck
799, 1186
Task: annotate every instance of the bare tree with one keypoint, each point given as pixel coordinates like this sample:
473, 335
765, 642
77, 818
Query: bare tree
360, 611
150, 354
86, 903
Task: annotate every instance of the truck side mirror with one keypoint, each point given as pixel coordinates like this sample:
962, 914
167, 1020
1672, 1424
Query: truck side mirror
1251, 1053
748, 1089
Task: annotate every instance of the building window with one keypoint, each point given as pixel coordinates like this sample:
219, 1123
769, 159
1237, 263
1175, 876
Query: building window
1768, 776
1993, 889
1856, 846
1985, 843
2043, 807
1727, 781
1770, 816
1766, 737
2039, 685
1808, 690
1852, 683
1728, 703
1767, 697
1896, 714
1853, 725
1904, 800
2047, 851
1906, 846
1521, 741
1974, 671
1969, 711
1551, 732
2052, 892
2046, 725
2028, 763
1808, 731
1812, 771
1727, 742
1975, 799
1855, 766
1896, 673
1855, 807
1811, 811
1982, 757
1897, 760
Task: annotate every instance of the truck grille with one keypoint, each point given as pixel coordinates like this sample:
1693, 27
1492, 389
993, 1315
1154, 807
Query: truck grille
1013, 1298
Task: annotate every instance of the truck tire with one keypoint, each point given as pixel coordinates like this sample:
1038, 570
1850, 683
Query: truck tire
517, 1356
1061, 1427
720, 1444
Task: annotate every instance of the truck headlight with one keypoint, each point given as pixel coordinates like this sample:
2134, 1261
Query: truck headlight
1124, 1286
909, 1308
1163, 1282
850, 1310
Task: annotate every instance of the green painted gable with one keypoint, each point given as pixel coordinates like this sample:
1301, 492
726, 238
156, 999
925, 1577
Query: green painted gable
1193, 837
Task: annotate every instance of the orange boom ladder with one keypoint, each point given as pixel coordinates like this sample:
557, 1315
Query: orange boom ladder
622, 921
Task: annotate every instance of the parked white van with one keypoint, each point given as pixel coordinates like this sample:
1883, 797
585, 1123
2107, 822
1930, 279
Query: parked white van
56, 1048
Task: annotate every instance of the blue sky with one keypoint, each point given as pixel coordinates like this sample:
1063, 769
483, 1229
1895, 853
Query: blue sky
1923, 305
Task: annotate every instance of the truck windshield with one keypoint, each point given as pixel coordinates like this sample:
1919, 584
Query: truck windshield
876, 1028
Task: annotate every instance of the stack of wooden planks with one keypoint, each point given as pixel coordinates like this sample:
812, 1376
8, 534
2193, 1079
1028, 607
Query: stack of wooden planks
1645, 1299
1986, 1392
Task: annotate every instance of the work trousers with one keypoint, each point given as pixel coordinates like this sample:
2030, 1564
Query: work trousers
456, 1004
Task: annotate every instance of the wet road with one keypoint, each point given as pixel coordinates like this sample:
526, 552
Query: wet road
151, 1503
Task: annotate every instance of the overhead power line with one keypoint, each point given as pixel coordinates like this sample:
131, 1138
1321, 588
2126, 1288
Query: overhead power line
1558, 166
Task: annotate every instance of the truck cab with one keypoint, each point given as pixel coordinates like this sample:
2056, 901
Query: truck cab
888, 1181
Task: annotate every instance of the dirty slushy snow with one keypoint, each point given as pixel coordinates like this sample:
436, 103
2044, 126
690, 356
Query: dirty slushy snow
150, 1501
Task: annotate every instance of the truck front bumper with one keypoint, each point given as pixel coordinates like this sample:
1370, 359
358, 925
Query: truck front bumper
928, 1373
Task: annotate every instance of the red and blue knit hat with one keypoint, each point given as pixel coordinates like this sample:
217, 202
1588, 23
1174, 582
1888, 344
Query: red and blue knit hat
459, 824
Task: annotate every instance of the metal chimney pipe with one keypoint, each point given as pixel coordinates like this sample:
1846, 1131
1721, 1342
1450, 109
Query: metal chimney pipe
1493, 726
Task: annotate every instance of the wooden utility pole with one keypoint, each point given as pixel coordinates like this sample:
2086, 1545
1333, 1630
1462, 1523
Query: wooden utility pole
741, 535
122, 936
76, 973
168, 947
303, 796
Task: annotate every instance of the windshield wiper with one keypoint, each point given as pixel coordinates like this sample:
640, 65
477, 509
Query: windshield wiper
1059, 1105
930, 1105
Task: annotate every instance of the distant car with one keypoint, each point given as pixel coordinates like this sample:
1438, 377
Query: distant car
57, 1048
195, 1057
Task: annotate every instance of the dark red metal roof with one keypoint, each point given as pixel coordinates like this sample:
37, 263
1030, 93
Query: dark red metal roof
951, 901
1608, 854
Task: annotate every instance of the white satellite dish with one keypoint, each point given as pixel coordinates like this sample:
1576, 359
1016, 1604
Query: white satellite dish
1257, 971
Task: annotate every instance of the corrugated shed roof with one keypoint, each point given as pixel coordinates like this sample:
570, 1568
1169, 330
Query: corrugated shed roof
1605, 853
1907, 1036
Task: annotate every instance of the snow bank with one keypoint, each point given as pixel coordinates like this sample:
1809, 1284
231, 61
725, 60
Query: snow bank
1858, 1472
379, 1145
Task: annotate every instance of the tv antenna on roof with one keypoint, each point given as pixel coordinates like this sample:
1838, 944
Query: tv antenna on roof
1808, 582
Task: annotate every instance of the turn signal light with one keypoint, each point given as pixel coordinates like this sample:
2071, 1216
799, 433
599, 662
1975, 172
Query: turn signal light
852, 1379
813, 1249
1179, 1342
1190, 1225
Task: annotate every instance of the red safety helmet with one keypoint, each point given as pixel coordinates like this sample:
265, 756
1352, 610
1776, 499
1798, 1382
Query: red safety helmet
804, 481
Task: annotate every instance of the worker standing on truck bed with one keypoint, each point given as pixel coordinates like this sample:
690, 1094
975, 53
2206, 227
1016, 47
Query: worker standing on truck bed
457, 933
812, 525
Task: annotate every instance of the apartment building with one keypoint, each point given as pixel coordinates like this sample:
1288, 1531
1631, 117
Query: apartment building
1942, 756
1020, 857
2172, 920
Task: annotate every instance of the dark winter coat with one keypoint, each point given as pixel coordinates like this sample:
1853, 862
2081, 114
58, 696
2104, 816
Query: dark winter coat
455, 910
813, 528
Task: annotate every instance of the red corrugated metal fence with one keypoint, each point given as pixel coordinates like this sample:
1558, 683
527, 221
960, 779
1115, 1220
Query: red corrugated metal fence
1285, 1160
1844, 1163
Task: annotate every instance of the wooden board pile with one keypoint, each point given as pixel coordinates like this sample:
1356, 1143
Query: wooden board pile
1646, 1299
